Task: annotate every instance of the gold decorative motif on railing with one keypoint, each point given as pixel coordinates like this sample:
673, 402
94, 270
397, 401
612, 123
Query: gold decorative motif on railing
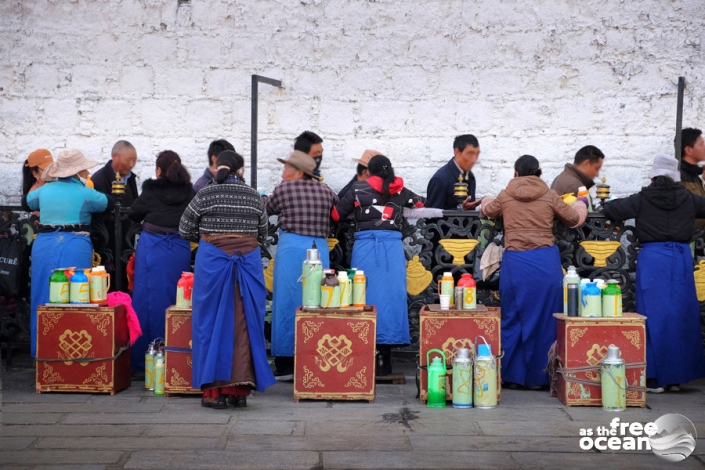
575, 335
359, 381
177, 380
49, 376
332, 242
101, 320
177, 322
432, 325
699, 275
488, 325
99, 377
309, 328
600, 250
451, 346
309, 380
634, 337
334, 350
458, 248
189, 361
49, 319
418, 277
75, 344
269, 276
362, 328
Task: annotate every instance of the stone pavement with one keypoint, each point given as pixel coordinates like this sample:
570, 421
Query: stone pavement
137, 430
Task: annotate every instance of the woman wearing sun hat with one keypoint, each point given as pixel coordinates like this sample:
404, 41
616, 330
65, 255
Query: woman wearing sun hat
303, 205
65, 206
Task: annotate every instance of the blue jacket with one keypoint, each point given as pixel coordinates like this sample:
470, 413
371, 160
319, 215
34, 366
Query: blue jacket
439, 193
66, 201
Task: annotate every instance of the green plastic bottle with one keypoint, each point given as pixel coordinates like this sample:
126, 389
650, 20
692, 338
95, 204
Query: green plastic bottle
59, 287
436, 379
612, 300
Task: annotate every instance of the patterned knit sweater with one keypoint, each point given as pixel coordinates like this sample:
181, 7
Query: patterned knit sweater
230, 207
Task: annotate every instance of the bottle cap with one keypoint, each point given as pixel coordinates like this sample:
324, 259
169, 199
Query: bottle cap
343, 274
359, 271
448, 274
484, 350
98, 269
612, 355
463, 353
581, 189
612, 281
436, 360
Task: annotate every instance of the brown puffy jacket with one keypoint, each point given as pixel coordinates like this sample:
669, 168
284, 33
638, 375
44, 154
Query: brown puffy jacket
528, 209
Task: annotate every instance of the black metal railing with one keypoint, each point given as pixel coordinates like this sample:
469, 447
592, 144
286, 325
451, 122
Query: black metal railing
426, 248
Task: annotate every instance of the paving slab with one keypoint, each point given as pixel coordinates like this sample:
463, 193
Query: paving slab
204, 417
15, 443
353, 441
70, 431
31, 418
590, 460
128, 443
276, 428
345, 428
70, 467
418, 460
188, 430
526, 428
60, 457
224, 460
495, 444
79, 408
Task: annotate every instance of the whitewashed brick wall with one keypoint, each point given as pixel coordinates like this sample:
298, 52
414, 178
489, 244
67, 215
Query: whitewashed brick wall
400, 76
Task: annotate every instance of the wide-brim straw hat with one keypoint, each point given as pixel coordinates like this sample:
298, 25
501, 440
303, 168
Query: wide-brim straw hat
301, 161
68, 163
367, 155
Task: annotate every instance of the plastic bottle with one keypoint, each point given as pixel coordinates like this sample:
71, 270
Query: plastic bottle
446, 287
571, 277
345, 289
58, 287
591, 301
612, 300
469, 292
184, 289
80, 292
583, 192
359, 289
330, 290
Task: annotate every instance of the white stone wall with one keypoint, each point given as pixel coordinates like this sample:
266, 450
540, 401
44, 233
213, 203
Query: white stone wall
401, 76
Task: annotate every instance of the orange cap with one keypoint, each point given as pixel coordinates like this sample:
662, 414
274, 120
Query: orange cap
41, 158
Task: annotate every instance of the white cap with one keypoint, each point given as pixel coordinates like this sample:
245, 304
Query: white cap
98, 269
449, 274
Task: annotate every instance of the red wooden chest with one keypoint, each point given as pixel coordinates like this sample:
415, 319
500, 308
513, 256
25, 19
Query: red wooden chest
583, 342
177, 351
335, 354
449, 330
97, 336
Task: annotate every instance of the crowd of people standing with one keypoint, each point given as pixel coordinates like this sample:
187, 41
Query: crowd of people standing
229, 220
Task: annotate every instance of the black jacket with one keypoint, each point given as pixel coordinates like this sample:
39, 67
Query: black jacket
347, 187
103, 182
365, 199
162, 202
662, 213
440, 190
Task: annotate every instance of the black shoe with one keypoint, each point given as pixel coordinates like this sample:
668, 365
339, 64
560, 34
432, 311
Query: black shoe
221, 404
285, 375
207, 402
240, 402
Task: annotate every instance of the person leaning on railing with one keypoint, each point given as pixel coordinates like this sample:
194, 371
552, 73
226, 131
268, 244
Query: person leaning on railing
665, 213
161, 255
530, 285
378, 205
66, 207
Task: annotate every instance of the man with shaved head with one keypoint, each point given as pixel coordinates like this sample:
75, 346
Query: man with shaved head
124, 157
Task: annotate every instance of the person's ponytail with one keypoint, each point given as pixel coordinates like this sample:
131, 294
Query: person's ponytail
171, 167
380, 165
229, 162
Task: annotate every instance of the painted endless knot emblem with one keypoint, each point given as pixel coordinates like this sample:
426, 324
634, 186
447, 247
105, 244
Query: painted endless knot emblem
75, 344
334, 351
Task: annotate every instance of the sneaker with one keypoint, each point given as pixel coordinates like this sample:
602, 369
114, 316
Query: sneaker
286, 375
655, 390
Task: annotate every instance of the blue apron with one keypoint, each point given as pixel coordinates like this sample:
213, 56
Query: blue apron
213, 314
159, 262
665, 294
50, 251
530, 290
380, 253
287, 296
